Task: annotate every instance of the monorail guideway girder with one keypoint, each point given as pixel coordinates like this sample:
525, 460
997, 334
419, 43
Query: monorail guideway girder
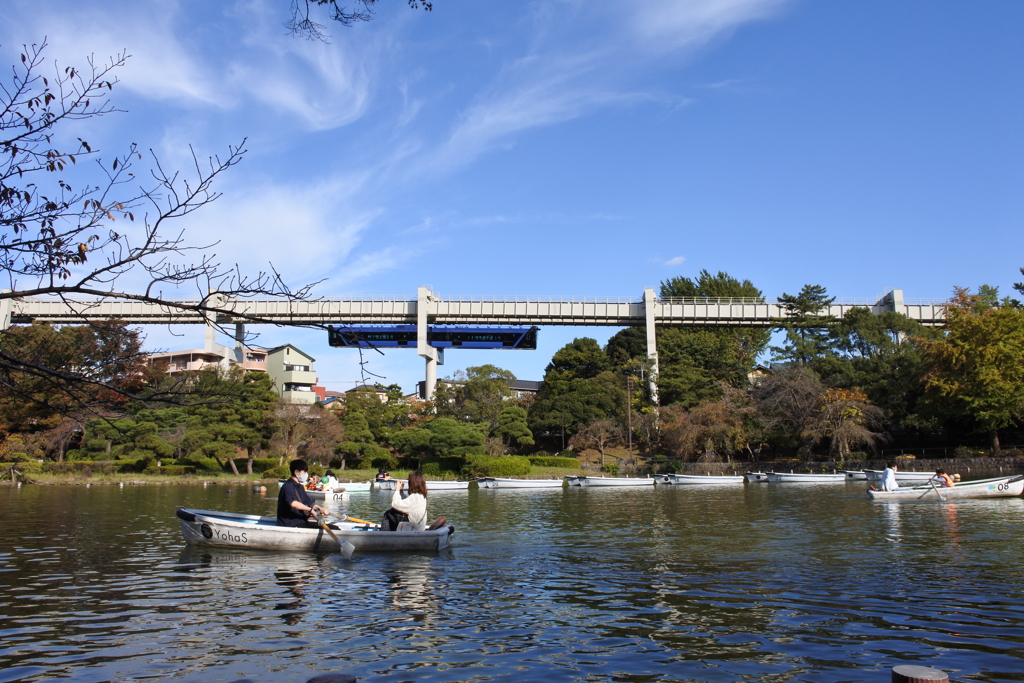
430, 316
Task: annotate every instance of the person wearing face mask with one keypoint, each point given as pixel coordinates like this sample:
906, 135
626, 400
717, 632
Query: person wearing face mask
294, 506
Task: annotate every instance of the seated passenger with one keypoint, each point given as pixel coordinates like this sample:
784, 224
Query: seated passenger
294, 506
414, 506
943, 479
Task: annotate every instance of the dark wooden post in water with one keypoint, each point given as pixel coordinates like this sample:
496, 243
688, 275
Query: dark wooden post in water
910, 673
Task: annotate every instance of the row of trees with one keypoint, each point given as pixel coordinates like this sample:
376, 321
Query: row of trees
837, 386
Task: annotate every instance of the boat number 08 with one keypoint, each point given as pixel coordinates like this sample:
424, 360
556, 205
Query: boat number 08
1003, 486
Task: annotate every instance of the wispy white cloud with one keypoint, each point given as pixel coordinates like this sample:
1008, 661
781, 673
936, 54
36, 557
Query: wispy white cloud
670, 25
675, 261
550, 85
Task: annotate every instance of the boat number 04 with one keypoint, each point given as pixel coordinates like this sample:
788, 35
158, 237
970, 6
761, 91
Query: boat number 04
222, 535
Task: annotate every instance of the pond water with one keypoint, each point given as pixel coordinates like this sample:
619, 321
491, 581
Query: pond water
763, 582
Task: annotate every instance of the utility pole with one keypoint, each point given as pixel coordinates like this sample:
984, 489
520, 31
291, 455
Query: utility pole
629, 413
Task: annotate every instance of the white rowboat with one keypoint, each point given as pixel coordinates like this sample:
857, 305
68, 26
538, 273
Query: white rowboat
756, 477
705, 479
446, 485
573, 480
794, 477
232, 530
511, 483
855, 475
999, 487
350, 486
335, 496
389, 485
616, 481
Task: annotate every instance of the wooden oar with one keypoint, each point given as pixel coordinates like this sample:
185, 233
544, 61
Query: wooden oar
346, 547
346, 518
932, 482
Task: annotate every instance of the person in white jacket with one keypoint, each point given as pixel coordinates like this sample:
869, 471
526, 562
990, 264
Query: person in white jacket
415, 506
889, 478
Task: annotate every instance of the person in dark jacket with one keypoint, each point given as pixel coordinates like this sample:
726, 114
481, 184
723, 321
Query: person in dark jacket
294, 506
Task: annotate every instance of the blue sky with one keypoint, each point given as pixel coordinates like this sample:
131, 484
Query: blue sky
573, 148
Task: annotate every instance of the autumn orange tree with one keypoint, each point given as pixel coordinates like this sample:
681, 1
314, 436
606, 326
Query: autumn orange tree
845, 417
977, 370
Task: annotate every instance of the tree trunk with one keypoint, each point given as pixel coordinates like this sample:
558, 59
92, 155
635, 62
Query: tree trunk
993, 440
234, 467
248, 462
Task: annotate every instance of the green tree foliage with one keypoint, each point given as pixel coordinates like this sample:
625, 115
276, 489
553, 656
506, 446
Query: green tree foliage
358, 442
476, 395
513, 429
220, 429
383, 416
412, 442
583, 358
563, 406
808, 332
104, 356
745, 343
450, 437
693, 362
875, 354
978, 368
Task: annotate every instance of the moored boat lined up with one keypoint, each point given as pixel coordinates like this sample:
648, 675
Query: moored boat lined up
804, 477
616, 481
233, 530
442, 485
757, 477
697, 479
998, 487
573, 480
512, 483
855, 475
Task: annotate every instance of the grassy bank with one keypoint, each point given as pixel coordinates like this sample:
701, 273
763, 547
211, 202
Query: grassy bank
136, 479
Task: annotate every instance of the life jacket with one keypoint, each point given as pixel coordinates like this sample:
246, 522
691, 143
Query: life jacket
947, 480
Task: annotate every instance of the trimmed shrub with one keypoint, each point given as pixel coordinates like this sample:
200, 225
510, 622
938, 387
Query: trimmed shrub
431, 469
505, 466
610, 469
26, 466
567, 453
261, 465
277, 472
554, 461
200, 462
79, 466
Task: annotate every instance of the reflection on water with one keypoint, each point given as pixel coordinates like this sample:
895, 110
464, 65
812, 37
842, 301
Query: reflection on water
758, 583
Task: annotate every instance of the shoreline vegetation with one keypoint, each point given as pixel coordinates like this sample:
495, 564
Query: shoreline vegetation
208, 478
963, 466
